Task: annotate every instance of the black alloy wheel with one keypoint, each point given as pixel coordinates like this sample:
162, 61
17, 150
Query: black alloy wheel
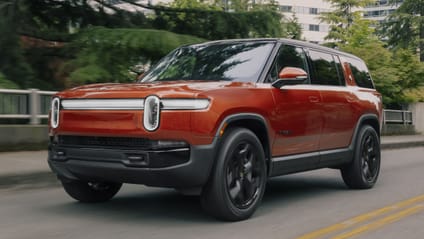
370, 164
363, 171
237, 182
243, 175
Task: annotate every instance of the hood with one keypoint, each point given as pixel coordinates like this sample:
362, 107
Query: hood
169, 89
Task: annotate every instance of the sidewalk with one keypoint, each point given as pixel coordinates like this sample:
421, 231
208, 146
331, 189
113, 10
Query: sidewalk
18, 167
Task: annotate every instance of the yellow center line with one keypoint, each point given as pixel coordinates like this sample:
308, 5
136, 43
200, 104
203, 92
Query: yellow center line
380, 223
361, 218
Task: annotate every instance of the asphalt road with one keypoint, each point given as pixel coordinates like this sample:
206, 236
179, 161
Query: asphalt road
313, 205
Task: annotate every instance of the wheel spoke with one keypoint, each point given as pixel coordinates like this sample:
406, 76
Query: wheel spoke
243, 175
235, 191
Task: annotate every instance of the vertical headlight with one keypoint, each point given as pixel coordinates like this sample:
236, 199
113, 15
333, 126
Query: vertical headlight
151, 113
55, 110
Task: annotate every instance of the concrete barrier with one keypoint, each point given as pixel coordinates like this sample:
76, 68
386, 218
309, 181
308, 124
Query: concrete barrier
23, 137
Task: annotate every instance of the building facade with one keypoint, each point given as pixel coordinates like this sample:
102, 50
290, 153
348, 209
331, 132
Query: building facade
313, 30
380, 10
307, 13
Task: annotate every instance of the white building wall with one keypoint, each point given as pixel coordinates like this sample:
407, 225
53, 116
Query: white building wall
380, 10
307, 12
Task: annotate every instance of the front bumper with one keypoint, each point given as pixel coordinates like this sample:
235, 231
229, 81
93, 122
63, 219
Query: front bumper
178, 168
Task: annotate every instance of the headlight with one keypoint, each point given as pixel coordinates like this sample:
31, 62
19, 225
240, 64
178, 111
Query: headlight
55, 110
153, 105
151, 113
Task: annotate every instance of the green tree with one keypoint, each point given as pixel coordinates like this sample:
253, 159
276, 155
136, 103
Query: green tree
405, 27
395, 73
342, 17
109, 55
7, 84
292, 27
12, 61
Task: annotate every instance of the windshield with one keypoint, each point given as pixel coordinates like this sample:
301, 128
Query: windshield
235, 61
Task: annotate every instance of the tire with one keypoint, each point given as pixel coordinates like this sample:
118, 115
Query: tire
363, 171
237, 182
91, 192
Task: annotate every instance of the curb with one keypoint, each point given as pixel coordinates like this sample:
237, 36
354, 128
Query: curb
42, 179
400, 145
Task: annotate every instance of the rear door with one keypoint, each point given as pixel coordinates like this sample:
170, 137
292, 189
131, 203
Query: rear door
337, 103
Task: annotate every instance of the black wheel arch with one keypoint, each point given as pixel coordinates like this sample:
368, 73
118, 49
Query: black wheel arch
366, 119
253, 122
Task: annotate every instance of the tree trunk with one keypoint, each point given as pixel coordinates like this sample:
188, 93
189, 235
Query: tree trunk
421, 44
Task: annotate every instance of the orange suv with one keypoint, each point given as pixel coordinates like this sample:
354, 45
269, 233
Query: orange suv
217, 119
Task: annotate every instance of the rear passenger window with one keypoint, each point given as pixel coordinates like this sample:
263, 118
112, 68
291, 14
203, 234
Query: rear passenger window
360, 73
325, 69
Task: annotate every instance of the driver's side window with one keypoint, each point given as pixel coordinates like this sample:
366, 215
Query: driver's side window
287, 56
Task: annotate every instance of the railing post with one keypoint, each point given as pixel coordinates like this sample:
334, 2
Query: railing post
404, 117
34, 106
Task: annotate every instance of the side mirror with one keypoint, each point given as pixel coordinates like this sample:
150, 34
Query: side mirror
290, 76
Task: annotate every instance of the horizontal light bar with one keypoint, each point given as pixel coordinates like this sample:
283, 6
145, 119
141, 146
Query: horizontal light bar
132, 104
184, 104
103, 104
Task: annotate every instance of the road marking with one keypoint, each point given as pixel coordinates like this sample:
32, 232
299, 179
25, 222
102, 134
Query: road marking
362, 218
380, 223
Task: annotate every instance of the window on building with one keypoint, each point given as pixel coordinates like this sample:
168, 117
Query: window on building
325, 69
313, 27
286, 8
313, 11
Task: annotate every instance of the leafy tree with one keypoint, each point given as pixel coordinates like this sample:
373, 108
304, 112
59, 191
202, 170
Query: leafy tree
12, 60
405, 27
394, 73
292, 28
342, 17
5, 83
108, 55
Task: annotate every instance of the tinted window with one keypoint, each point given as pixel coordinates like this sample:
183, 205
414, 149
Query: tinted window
287, 56
325, 69
230, 61
360, 73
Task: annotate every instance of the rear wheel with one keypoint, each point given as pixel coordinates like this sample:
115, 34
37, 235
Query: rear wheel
91, 192
237, 183
363, 171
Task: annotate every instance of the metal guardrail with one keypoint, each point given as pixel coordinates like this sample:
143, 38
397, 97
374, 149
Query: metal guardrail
29, 104
397, 117
34, 105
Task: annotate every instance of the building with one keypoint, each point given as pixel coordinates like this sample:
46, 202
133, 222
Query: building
313, 30
380, 10
308, 12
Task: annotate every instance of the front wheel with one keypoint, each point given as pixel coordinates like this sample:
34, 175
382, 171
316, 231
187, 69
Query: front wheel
363, 171
237, 183
91, 192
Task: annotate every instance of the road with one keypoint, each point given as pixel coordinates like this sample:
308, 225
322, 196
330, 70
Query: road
307, 204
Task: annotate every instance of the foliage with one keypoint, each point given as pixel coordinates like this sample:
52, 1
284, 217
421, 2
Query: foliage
7, 84
405, 28
343, 17
394, 73
12, 60
107, 55
292, 28
221, 25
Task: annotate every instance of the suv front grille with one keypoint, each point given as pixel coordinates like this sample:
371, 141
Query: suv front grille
105, 142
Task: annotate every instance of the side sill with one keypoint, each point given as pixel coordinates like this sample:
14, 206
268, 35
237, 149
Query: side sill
309, 161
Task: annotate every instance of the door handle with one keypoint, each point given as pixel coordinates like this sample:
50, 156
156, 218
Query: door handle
313, 99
